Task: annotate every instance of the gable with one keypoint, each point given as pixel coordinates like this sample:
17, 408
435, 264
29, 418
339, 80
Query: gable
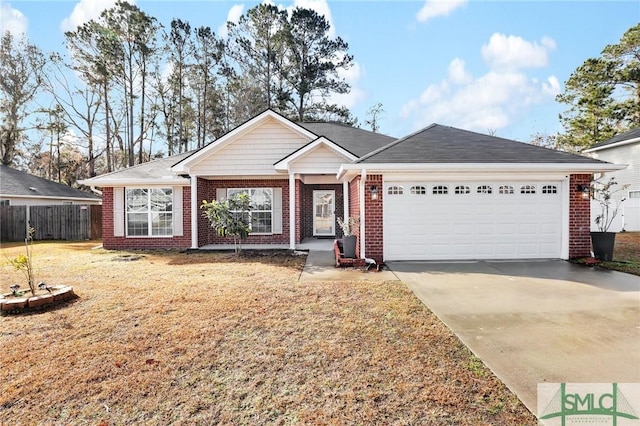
320, 159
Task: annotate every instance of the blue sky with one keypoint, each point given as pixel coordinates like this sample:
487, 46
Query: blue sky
477, 65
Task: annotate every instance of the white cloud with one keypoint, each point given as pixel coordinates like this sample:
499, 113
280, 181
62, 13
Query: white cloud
434, 8
357, 94
513, 52
84, 11
12, 20
489, 101
233, 16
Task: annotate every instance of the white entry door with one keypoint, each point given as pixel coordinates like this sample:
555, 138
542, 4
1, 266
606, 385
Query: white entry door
324, 218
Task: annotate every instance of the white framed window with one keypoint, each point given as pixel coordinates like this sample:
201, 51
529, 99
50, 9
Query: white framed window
261, 214
440, 190
484, 189
149, 212
634, 194
528, 189
5, 203
418, 190
505, 189
549, 189
462, 189
395, 190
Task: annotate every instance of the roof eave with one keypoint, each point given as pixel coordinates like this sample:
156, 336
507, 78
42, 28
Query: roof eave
135, 182
347, 169
613, 145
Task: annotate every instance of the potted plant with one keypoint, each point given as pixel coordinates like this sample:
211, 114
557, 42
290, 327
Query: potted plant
349, 240
602, 241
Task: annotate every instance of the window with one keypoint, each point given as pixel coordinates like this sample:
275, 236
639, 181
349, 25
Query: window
505, 189
528, 189
440, 189
418, 190
462, 189
484, 189
395, 190
262, 208
149, 212
634, 194
549, 189
4, 203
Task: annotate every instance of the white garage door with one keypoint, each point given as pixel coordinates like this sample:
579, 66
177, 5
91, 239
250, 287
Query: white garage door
478, 220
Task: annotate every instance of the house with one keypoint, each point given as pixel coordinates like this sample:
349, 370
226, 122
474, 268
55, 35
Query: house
23, 189
440, 193
623, 148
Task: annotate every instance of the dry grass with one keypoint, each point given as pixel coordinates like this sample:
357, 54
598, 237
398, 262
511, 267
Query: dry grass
626, 253
206, 338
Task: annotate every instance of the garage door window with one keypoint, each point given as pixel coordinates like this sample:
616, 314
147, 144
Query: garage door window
440, 190
462, 189
549, 189
395, 190
484, 189
505, 189
418, 190
528, 189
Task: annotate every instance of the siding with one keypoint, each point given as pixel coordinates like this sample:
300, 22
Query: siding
253, 153
320, 160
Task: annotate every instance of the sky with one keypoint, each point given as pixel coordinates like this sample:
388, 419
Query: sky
481, 65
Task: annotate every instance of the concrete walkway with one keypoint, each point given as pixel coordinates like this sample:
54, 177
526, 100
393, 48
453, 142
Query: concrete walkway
536, 322
320, 266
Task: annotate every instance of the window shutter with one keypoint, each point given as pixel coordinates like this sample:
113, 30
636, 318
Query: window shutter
221, 194
178, 228
276, 219
118, 212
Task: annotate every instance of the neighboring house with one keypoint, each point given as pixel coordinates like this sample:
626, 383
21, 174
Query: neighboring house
23, 189
625, 149
440, 193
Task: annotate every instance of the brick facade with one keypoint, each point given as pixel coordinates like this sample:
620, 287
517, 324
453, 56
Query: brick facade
579, 217
354, 207
373, 241
110, 242
308, 208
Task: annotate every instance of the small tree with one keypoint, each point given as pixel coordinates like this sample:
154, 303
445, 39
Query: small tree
603, 193
230, 217
24, 262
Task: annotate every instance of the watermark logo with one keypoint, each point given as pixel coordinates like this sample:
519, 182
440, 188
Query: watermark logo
616, 404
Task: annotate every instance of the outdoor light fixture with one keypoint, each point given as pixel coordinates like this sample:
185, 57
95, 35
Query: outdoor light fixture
374, 192
584, 190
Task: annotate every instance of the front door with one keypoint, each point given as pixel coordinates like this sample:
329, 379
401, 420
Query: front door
324, 218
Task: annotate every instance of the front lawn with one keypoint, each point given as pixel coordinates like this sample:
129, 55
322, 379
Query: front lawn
207, 338
626, 253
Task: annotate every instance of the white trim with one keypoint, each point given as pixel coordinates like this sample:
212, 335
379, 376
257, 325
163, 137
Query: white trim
363, 179
165, 182
51, 197
318, 179
346, 170
292, 211
345, 199
194, 212
565, 191
333, 212
284, 164
185, 165
613, 145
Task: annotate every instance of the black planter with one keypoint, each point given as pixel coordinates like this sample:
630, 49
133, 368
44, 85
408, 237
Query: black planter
602, 244
349, 246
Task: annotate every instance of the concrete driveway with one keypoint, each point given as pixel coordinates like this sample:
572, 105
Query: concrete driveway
538, 321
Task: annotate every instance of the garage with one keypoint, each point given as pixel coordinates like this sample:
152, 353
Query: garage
472, 220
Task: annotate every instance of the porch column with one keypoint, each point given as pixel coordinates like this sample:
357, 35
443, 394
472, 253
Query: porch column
363, 181
292, 211
345, 197
194, 212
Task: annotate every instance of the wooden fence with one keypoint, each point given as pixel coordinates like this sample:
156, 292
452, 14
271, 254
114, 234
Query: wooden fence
59, 222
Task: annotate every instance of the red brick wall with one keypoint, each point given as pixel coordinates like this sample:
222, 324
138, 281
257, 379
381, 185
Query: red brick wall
207, 189
114, 243
354, 207
579, 218
373, 219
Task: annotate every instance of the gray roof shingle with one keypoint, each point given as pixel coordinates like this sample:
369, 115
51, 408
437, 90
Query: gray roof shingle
444, 144
631, 134
357, 141
17, 183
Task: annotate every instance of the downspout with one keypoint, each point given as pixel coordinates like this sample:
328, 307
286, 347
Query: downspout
95, 191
